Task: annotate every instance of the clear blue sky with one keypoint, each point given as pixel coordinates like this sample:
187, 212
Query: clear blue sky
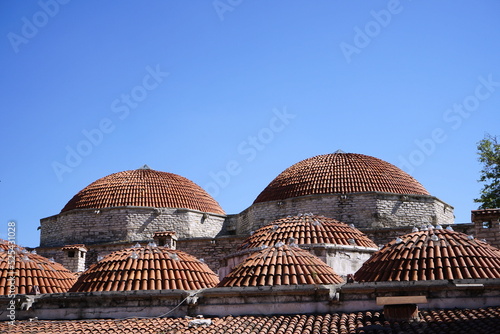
194, 88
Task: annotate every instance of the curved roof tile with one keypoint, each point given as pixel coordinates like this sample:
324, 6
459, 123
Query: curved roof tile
434, 254
340, 173
146, 268
280, 265
31, 270
305, 230
144, 187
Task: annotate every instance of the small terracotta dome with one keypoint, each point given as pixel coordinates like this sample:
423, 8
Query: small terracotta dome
280, 265
307, 229
433, 254
146, 268
144, 187
32, 271
340, 173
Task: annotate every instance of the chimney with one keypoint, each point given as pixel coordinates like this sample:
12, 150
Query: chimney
74, 258
166, 239
401, 308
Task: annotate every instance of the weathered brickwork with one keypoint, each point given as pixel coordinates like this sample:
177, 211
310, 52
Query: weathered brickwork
125, 224
364, 210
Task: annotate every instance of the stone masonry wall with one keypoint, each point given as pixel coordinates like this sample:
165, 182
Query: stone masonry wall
89, 226
212, 251
490, 233
364, 210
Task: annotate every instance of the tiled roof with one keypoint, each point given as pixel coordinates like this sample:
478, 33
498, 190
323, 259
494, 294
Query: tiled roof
144, 187
74, 247
146, 268
340, 173
31, 270
305, 230
280, 265
477, 321
433, 254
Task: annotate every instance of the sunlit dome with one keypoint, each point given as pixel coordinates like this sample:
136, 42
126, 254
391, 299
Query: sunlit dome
432, 254
146, 268
340, 173
144, 187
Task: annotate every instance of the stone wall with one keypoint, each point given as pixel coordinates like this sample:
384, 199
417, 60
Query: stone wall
89, 226
342, 259
211, 250
364, 210
487, 225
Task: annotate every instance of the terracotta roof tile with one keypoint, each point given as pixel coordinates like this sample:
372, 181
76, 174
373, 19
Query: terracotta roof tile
32, 270
305, 230
144, 187
280, 265
481, 320
74, 247
146, 268
431, 254
340, 173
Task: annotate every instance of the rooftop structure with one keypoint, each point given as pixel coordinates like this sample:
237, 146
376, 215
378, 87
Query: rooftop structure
280, 265
432, 254
146, 268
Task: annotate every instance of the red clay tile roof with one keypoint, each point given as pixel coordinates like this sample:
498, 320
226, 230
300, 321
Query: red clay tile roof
146, 268
305, 230
30, 270
486, 211
144, 187
340, 173
74, 247
280, 265
434, 254
477, 321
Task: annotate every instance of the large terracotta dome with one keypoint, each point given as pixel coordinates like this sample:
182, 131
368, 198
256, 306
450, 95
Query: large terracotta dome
340, 173
432, 254
146, 268
144, 187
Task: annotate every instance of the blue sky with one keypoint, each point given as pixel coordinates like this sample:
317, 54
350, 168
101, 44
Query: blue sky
231, 93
